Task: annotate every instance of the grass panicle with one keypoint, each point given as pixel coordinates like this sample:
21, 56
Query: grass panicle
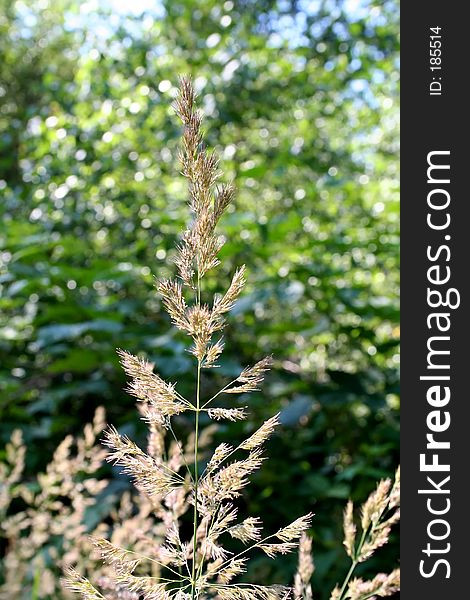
199, 567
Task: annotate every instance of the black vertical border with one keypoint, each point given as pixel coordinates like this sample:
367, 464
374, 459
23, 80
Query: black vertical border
434, 123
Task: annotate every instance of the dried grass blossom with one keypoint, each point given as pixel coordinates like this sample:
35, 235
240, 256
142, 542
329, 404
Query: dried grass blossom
199, 567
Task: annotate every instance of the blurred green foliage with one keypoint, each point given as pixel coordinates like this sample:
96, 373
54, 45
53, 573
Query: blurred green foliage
301, 103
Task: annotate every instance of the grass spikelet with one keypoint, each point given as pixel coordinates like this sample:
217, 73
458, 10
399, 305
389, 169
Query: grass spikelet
74, 582
305, 569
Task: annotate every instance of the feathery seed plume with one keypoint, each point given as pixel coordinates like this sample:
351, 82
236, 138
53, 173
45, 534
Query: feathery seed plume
305, 569
231, 414
248, 530
149, 387
349, 529
251, 377
74, 582
295, 529
261, 435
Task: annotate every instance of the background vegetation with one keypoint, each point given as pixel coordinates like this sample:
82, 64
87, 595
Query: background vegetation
301, 103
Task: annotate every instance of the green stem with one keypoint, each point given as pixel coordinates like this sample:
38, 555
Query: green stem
347, 578
218, 393
196, 449
181, 450
354, 564
196, 481
208, 530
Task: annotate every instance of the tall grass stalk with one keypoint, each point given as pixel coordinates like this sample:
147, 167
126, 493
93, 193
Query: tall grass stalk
201, 567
